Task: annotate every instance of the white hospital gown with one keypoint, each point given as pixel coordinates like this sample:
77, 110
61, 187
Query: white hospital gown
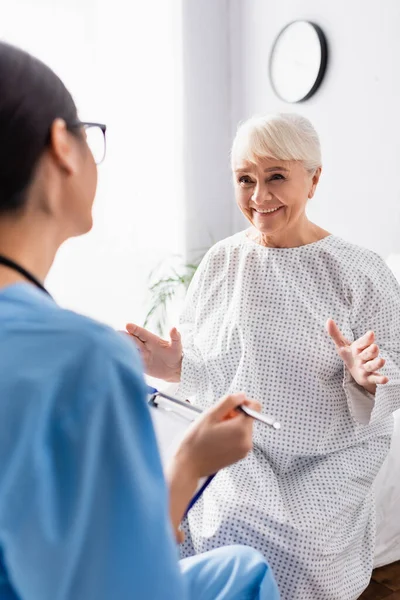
254, 321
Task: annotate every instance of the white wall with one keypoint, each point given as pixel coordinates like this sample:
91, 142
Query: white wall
206, 122
172, 78
121, 62
356, 111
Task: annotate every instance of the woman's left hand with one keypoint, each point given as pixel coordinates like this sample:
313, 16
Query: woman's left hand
361, 357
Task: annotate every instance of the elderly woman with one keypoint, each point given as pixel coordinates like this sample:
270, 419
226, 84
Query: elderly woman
310, 326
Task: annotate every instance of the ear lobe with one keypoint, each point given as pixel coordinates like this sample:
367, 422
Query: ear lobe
312, 191
62, 147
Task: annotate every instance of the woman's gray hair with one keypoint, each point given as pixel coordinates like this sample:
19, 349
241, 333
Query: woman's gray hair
284, 136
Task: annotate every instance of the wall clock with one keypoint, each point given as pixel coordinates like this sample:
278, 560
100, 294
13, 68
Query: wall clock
298, 61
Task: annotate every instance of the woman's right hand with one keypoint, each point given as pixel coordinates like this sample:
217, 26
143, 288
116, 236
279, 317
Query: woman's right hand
162, 359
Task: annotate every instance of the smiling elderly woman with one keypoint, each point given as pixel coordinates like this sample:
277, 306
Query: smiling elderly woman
309, 325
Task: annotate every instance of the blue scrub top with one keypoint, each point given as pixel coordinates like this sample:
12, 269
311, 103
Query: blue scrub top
83, 502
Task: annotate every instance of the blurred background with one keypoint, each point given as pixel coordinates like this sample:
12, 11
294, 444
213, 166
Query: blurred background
172, 79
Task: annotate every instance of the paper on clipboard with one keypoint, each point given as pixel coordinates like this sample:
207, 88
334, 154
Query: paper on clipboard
170, 424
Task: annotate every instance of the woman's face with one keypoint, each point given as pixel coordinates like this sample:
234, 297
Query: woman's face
73, 181
84, 187
272, 194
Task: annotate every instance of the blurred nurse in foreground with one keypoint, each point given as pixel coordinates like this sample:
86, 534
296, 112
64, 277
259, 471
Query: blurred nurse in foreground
85, 512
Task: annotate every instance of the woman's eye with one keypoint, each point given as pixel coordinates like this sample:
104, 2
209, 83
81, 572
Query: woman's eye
277, 177
245, 180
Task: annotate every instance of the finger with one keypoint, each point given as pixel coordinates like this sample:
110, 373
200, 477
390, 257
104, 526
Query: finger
254, 404
374, 365
378, 379
138, 343
370, 352
250, 403
335, 333
222, 409
142, 334
346, 356
175, 336
363, 342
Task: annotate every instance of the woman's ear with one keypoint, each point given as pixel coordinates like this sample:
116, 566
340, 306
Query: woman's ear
63, 147
314, 182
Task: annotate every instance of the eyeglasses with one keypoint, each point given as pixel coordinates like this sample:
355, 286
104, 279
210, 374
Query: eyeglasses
95, 138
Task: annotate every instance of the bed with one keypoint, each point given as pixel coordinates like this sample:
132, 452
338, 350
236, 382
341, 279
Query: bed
387, 493
387, 484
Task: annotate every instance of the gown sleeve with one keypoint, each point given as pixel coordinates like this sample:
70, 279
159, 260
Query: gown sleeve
376, 307
87, 504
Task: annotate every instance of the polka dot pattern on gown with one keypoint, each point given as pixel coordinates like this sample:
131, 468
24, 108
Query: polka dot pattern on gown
254, 321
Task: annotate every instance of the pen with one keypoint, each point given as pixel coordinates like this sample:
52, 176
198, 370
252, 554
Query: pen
270, 421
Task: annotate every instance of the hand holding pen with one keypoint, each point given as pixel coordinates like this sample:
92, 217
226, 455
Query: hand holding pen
219, 437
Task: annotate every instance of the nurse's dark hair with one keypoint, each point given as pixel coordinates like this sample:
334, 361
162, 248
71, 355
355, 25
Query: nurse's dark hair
31, 98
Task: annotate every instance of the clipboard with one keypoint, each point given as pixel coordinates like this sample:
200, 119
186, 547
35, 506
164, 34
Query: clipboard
171, 419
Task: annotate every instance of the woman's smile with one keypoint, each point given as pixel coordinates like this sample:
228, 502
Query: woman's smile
266, 212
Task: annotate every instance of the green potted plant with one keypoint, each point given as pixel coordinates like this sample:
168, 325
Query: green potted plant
168, 284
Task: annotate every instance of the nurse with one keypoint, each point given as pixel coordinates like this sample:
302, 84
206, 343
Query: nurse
83, 501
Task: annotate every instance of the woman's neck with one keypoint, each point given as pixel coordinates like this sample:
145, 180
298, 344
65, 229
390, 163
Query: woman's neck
33, 248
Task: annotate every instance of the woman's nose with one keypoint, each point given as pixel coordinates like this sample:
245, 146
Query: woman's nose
261, 194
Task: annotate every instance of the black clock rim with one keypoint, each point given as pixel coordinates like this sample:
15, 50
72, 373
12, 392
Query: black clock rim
322, 66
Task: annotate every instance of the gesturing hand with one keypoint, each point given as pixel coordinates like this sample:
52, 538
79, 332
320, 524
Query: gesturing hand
161, 358
361, 357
